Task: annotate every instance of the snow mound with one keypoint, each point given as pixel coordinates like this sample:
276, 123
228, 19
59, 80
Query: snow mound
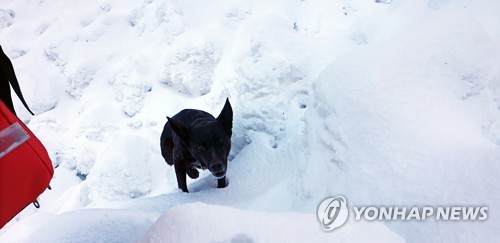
199, 222
191, 71
123, 170
6, 18
90, 225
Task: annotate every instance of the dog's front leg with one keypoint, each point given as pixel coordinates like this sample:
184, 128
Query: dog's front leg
180, 172
221, 182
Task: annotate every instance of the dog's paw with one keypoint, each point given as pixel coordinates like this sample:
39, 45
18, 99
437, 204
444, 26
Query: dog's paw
222, 182
192, 173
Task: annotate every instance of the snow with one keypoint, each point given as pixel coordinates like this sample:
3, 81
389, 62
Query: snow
87, 225
119, 175
233, 225
390, 103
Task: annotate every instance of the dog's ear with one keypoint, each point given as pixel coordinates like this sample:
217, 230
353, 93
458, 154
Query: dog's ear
226, 117
179, 129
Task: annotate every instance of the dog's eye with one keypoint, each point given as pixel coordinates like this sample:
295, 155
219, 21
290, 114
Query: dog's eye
219, 141
201, 147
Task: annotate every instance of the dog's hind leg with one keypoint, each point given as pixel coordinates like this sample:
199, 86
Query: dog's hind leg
180, 172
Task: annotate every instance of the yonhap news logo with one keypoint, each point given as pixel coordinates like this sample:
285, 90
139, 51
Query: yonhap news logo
333, 213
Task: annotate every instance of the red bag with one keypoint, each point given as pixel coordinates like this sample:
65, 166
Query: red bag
25, 166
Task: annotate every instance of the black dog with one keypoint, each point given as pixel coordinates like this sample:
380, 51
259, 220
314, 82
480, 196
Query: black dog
194, 139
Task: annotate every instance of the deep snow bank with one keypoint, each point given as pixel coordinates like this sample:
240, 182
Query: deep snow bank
407, 122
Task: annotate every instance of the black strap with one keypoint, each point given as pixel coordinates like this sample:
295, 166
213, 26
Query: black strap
10, 76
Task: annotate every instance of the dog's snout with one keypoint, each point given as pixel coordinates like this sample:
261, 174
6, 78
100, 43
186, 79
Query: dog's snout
218, 170
217, 167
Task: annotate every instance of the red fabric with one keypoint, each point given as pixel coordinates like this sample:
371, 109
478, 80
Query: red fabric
25, 172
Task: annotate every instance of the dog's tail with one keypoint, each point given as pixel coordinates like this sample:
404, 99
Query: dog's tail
8, 69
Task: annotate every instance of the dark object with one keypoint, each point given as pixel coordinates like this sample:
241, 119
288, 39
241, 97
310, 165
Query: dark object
7, 75
36, 204
25, 166
194, 139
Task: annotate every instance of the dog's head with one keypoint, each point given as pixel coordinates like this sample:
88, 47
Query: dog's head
209, 143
